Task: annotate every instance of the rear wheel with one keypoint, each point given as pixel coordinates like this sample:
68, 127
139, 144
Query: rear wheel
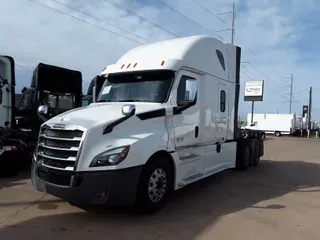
277, 134
155, 183
244, 156
256, 154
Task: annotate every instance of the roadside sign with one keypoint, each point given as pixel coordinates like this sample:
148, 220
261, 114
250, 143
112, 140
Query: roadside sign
253, 90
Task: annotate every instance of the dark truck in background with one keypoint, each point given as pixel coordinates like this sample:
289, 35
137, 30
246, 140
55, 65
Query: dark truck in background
58, 88
93, 90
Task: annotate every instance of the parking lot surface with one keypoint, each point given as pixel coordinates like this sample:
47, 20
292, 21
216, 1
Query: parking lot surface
278, 199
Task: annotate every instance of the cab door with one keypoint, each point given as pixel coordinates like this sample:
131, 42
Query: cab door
7, 93
187, 129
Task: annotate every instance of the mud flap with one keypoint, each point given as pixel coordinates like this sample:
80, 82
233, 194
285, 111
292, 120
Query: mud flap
261, 142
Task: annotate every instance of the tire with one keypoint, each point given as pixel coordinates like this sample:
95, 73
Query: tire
8, 165
245, 135
277, 134
156, 174
256, 154
244, 157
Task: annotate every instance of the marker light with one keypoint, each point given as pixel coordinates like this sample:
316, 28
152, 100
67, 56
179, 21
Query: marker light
162, 63
129, 65
135, 65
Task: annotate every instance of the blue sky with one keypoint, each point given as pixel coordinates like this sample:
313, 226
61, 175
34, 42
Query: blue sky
277, 38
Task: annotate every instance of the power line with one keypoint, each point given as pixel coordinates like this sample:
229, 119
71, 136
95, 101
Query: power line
119, 6
189, 19
208, 11
274, 93
247, 76
264, 75
100, 20
256, 56
305, 89
250, 72
23, 65
291, 97
79, 19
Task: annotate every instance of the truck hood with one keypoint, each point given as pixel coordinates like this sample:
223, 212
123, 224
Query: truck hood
97, 113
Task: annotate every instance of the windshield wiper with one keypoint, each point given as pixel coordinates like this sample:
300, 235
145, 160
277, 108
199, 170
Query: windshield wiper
102, 100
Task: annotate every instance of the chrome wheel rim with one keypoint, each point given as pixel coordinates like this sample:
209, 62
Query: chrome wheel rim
158, 184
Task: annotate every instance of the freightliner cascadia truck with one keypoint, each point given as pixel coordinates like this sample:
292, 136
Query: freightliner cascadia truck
165, 117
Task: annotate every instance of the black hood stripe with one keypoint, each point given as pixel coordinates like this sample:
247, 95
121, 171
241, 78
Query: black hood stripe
142, 116
152, 114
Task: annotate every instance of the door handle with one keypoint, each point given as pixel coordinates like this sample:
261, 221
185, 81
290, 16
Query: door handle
196, 132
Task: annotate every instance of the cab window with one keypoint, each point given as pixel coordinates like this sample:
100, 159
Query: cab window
187, 91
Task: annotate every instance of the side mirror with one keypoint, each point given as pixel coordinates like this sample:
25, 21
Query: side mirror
128, 110
43, 109
253, 124
23, 89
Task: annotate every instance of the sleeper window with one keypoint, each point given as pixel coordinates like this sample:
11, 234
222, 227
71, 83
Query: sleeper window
222, 101
221, 59
187, 90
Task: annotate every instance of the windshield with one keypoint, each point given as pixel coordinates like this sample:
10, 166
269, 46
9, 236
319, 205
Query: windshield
146, 86
61, 102
86, 100
66, 102
25, 100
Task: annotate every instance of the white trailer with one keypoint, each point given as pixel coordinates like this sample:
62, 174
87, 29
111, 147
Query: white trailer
277, 124
166, 116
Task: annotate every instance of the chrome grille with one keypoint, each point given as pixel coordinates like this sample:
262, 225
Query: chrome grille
55, 133
59, 148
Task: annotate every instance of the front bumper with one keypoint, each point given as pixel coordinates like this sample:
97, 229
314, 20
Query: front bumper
115, 187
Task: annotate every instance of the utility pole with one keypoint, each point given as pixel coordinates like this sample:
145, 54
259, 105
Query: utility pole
291, 99
310, 108
291, 93
233, 30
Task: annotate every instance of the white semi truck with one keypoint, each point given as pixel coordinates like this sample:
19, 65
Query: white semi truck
166, 116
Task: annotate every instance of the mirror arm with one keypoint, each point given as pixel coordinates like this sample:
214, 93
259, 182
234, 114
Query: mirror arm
178, 110
42, 117
3, 82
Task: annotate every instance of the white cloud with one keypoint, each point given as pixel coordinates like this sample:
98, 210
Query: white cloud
33, 34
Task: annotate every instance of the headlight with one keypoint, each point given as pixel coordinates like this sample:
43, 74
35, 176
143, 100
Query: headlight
110, 157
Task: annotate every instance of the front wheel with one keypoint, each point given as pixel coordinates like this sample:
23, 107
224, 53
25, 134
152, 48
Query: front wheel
155, 183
